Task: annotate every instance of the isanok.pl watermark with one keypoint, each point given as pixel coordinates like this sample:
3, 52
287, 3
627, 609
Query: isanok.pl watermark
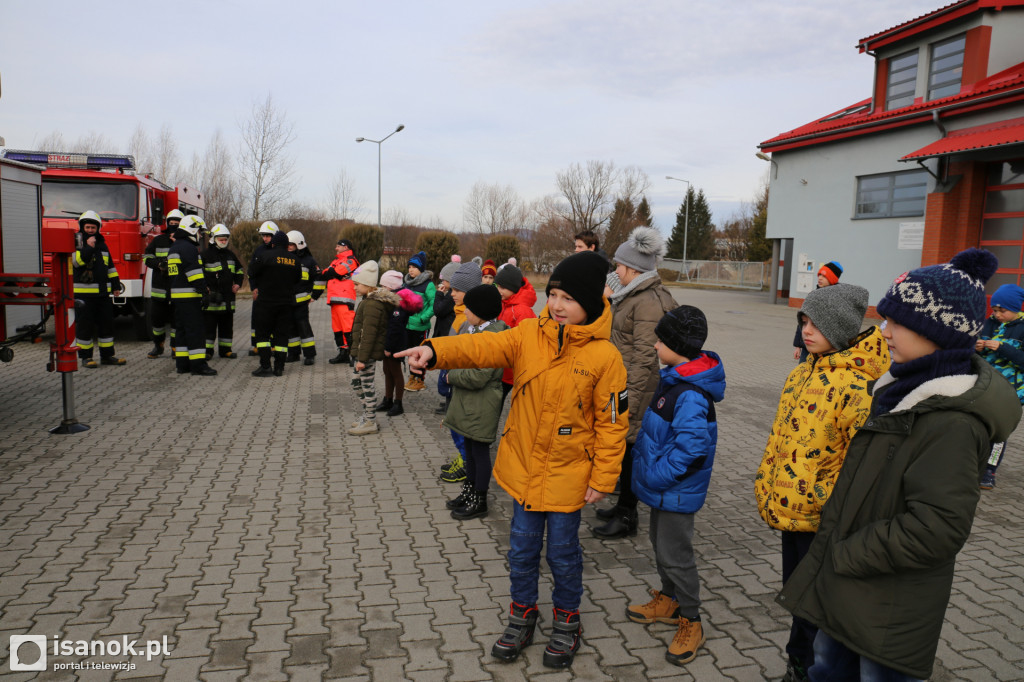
29, 652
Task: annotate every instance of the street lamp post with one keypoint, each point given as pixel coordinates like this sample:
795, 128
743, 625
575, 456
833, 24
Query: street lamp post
686, 220
399, 129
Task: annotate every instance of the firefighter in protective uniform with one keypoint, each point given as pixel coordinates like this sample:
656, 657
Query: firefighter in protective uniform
224, 276
301, 336
95, 281
267, 230
155, 258
341, 297
188, 290
274, 272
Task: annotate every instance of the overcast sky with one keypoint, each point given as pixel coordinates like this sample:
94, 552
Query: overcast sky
493, 91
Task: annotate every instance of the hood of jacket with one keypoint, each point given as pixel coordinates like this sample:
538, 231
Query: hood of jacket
985, 395
526, 295
384, 295
706, 371
577, 334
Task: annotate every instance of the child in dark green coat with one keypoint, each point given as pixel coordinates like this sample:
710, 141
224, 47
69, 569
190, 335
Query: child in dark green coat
368, 332
476, 406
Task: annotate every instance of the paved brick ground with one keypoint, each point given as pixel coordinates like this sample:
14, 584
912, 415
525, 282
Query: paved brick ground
237, 518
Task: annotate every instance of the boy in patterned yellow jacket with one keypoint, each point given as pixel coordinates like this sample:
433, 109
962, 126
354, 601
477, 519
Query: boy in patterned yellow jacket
824, 402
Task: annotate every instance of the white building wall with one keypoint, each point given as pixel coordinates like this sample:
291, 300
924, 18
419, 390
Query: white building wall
1007, 48
811, 200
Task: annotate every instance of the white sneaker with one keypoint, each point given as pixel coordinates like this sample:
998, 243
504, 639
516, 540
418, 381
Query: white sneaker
365, 427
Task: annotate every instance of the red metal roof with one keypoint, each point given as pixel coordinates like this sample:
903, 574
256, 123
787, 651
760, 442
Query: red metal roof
978, 137
933, 19
1005, 86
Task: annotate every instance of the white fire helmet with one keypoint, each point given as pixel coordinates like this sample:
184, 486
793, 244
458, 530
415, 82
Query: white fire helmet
295, 237
268, 228
90, 217
219, 230
174, 215
192, 224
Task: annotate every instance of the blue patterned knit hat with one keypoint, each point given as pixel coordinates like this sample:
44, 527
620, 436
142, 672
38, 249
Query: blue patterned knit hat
944, 303
419, 261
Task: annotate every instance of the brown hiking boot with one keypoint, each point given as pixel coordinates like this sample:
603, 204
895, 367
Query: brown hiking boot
661, 609
415, 383
688, 640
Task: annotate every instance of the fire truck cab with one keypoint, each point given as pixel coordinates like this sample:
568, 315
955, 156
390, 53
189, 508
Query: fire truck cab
132, 207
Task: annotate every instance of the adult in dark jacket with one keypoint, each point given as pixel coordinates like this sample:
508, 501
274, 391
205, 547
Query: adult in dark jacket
1001, 344
188, 290
637, 307
301, 336
275, 272
95, 281
155, 259
877, 578
224, 275
266, 233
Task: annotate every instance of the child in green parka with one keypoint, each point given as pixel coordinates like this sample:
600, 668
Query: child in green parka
476, 406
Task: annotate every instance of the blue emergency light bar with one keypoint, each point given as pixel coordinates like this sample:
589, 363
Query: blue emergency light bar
72, 160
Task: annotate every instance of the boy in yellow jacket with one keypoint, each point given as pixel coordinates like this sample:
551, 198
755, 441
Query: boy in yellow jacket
824, 402
563, 441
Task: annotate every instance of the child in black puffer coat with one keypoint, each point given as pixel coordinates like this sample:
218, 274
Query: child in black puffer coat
397, 339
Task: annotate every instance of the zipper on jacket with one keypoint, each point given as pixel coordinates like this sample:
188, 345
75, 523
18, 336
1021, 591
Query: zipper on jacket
892, 451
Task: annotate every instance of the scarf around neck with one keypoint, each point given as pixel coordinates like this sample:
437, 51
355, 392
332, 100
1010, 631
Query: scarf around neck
637, 281
910, 375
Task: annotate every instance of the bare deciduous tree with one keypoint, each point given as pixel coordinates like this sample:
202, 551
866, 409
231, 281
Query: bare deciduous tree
494, 209
219, 183
588, 192
165, 157
342, 202
264, 165
140, 146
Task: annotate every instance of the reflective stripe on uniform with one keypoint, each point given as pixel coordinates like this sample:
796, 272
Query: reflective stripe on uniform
81, 288
337, 300
185, 293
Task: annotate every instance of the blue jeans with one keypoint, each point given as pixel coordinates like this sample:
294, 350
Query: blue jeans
564, 555
833, 662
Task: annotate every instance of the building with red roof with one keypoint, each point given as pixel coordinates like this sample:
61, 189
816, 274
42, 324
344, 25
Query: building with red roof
929, 163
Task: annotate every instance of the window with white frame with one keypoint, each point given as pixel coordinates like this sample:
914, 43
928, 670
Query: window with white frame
899, 91
891, 195
946, 70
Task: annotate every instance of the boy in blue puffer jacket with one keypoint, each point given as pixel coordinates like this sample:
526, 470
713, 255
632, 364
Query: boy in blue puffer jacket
672, 462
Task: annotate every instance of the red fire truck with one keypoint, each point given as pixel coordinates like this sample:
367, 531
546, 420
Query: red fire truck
28, 296
132, 207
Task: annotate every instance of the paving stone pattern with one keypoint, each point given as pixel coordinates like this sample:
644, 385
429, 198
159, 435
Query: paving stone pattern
236, 517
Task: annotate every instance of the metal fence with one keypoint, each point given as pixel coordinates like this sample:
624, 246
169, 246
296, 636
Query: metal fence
721, 273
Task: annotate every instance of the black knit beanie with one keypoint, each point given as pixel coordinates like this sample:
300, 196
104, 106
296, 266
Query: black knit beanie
582, 276
510, 277
484, 301
684, 330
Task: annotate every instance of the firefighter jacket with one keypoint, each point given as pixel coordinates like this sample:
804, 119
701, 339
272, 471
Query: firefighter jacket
823, 404
337, 279
155, 258
185, 269
371, 325
276, 272
305, 290
92, 270
566, 429
223, 270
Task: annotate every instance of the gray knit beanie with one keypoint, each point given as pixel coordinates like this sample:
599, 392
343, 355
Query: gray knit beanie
641, 250
466, 277
448, 270
837, 311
